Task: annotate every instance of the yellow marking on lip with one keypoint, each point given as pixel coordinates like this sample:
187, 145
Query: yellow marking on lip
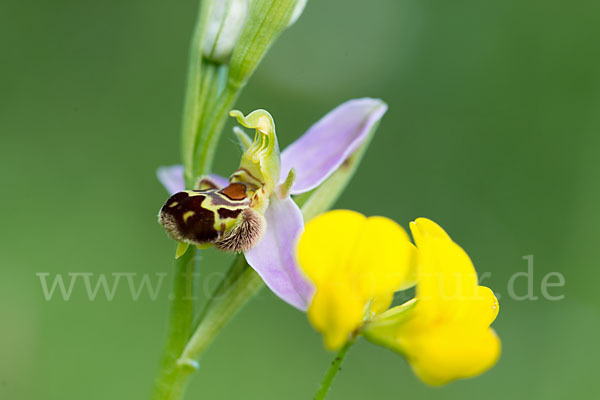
187, 215
173, 204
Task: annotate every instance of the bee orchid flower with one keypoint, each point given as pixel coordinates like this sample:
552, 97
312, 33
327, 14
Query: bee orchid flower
253, 210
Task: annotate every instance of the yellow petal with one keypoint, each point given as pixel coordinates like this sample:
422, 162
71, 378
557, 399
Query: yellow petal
445, 334
446, 276
381, 257
325, 247
381, 303
353, 261
336, 311
482, 309
442, 354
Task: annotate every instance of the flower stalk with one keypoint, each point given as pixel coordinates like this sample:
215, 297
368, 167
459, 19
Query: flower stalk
195, 93
211, 128
171, 380
334, 368
239, 286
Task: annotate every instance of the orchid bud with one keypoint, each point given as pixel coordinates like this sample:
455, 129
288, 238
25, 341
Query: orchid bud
266, 20
225, 23
298, 9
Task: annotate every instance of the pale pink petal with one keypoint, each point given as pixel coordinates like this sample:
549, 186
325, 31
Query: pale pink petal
219, 180
329, 142
274, 256
172, 178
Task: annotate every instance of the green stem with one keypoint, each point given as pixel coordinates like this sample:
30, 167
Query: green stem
239, 286
182, 351
334, 368
209, 136
236, 270
209, 81
171, 379
193, 92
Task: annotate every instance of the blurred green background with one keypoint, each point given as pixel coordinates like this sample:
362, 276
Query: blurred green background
492, 131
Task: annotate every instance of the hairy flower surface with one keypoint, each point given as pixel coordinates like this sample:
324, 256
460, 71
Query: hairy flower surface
253, 211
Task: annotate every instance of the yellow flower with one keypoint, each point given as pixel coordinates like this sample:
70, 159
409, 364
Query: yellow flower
445, 332
356, 264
